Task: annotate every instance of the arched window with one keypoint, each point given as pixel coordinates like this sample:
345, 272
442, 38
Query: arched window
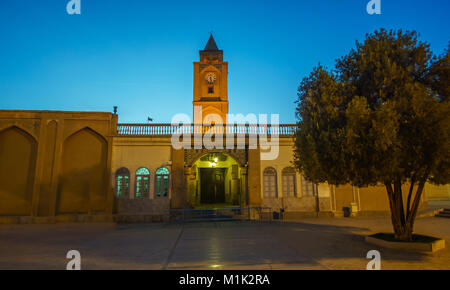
162, 182
308, 188
122, 182
288, 180
142, 183
270, 182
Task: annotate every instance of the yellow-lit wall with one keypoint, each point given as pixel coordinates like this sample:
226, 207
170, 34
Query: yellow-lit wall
136, 152
57, 163
54, 163
18, 151
437, 191
83, 177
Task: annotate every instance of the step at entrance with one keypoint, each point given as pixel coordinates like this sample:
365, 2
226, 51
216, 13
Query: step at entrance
445, 213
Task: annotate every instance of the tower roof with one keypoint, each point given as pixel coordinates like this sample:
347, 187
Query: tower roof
211, 45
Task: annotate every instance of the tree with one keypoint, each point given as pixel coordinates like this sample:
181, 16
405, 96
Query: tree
439, 76
382, 116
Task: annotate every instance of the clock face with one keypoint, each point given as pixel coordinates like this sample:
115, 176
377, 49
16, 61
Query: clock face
210, 78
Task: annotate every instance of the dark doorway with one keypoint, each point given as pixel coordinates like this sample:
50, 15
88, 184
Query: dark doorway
212, 185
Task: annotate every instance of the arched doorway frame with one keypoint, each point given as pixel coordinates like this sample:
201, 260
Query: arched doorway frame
193, 178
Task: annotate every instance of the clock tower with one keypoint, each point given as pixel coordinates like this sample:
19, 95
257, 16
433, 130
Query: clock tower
210, 85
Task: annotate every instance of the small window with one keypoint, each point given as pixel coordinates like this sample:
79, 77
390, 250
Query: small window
142, 183
162, 182
288, 180
122, 183
308, 188
270, 182
210, 90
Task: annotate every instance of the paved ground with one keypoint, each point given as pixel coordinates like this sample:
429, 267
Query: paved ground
324, 243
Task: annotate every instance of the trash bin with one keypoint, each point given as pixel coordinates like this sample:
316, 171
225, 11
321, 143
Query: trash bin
347, 211
276, 215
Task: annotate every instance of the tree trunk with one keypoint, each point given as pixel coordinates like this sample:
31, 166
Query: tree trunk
402, 230
405, 234
402, 223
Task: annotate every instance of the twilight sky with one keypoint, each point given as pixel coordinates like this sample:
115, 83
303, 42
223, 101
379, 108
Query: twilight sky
138, 55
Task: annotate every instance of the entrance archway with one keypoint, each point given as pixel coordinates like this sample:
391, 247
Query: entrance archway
215, 182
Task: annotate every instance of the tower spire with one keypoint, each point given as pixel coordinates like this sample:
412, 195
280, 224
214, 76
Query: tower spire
211, 45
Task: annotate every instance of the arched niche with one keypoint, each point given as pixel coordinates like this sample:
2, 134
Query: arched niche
18, 151
82, 183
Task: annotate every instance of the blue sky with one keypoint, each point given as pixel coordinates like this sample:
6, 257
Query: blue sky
138, 55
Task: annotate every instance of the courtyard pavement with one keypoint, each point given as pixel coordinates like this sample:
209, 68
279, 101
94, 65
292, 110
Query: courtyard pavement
316, 243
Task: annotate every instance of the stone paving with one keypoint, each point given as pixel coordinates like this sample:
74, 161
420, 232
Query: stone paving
316, 243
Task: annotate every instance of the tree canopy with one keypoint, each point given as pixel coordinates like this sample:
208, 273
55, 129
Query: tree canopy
380, 116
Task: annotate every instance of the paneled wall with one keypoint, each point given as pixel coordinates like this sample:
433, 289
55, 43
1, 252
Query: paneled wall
54, 163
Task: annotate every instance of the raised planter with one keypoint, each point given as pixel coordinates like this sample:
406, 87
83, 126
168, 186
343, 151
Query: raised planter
420, 243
